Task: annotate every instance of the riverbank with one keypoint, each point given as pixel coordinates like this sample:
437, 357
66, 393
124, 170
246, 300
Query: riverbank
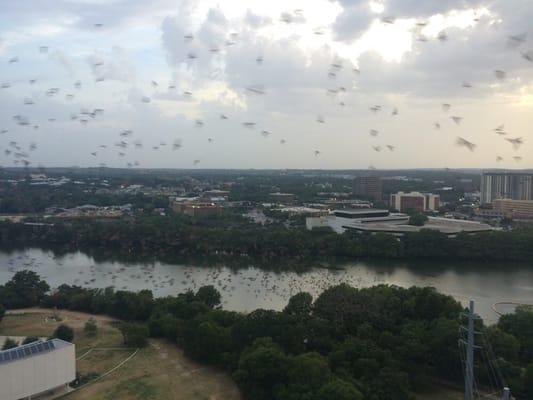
173, 237
250, 287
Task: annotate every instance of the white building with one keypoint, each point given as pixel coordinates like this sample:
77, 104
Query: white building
340, 220
35, 368
381, 221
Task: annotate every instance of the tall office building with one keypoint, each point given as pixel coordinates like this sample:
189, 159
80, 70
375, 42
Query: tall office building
368, 186
506, 185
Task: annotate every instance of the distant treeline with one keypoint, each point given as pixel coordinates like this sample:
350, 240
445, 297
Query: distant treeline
376, 343
170, 237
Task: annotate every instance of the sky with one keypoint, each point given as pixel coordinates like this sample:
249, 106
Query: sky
327, 84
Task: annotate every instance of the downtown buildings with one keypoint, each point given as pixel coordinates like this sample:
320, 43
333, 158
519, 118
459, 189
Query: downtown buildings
506, 185
368, 187
414, 201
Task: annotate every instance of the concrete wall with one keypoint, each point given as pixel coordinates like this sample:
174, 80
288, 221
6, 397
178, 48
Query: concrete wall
38, 373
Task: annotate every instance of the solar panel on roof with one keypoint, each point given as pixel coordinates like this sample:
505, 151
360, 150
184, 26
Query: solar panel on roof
26, 350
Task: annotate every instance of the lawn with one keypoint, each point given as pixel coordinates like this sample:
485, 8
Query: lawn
160, 371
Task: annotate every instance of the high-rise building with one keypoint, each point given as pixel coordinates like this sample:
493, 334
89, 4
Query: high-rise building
368, 186
506, 185
415, 201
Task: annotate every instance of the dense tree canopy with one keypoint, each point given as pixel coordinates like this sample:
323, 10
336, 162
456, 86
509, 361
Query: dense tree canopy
25, 289
377, 343
178, 236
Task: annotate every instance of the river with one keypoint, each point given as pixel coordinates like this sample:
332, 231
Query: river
251, 288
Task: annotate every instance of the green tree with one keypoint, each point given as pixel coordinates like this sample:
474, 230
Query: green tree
30, 339
209, 296
9, 344
64, 332
417, 219
261, 370
2, 311
338, 389
306, 374
206, 340
520, 325
504, 344
134, 335
299, 304
528, 382
25, 289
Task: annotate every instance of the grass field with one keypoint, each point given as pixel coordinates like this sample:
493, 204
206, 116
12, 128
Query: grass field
160, 371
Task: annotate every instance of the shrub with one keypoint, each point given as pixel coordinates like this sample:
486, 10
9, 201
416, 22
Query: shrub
9, 344
30, 339
64, 332
134, 335
90, 329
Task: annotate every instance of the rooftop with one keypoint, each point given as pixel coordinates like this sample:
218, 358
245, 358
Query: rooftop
443, 225
31, 349
360, 211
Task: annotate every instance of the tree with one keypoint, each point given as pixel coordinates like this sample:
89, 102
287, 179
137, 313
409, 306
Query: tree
25, 289
528, 382
338, 389
135, 335
90, 328
209, 296
504, 344
306, 374
520, 325
206, 340
299, 304
9, 344
30, 339
417, 219
2, 312
262, 368
64, 332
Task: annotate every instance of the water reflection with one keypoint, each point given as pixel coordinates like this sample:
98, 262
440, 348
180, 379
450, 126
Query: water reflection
250, 288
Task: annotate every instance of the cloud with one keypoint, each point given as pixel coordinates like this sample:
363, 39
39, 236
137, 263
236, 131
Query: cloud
62, 59
115, 65
355, 18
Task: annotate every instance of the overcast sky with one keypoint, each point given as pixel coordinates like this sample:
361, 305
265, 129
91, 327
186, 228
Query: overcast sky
296, 79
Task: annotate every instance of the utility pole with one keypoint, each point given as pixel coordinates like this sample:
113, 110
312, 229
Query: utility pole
469, 367
469, 346
506, 394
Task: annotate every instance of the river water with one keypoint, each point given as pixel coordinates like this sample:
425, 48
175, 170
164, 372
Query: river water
251, 288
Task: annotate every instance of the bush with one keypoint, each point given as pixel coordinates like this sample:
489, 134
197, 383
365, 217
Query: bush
9, 344
90, 329
417, 219
30, 339
64, 332
134, 335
